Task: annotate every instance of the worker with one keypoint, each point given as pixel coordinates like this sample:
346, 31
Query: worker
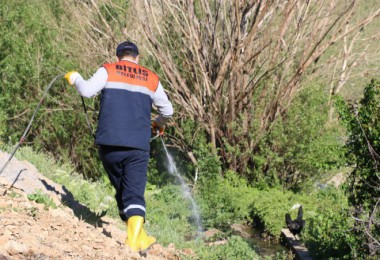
124, 130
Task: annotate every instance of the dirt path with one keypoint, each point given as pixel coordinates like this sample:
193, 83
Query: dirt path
29, 230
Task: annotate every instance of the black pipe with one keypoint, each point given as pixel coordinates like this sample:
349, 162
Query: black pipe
30, 123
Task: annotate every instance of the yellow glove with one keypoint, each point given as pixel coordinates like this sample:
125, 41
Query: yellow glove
157, 128
71, 77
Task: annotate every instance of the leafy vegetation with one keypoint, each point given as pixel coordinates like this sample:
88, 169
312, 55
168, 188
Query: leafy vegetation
362, 121
251, 140
42, 198
236, 248
224, 200
302, 145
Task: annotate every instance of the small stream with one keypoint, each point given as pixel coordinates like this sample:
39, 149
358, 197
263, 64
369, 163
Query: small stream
265, 248
261, 246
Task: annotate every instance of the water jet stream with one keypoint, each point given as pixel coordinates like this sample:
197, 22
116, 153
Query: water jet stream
185, 189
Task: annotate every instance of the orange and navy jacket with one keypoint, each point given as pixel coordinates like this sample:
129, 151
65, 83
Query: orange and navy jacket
125, 106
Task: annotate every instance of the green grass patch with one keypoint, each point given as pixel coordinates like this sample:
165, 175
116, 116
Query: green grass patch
97, 196
168, 216
236, 248
42, 198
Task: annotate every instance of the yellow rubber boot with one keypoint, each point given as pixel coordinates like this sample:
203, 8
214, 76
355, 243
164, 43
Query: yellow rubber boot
145, 240
134, 226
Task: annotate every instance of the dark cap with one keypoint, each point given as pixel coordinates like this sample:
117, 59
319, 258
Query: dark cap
127, 47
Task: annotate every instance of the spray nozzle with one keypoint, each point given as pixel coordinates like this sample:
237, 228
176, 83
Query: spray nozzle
154, 137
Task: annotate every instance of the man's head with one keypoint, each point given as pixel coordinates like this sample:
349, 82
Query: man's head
127, 50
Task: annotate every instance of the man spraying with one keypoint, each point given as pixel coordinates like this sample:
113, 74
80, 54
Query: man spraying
124, 130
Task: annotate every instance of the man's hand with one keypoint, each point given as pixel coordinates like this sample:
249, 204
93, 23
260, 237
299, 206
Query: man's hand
71, 77
157, 128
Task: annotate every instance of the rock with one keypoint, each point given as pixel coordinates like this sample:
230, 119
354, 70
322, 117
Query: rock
26, 204
57, 212
7, 232
3, 257
28, 222
337, 180
156, 249
241, 230
218, 243
188, 252
86, 248
14, 248
211, 233
134, 255
3, 241
97, 246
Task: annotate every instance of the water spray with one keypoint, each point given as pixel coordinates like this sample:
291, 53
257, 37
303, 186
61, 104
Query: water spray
185, 189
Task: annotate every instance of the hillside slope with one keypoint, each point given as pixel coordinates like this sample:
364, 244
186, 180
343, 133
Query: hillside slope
31, 230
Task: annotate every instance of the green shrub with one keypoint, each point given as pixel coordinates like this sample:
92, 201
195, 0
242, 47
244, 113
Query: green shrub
300, 145
42, 198
363, 126
329, 234
169, 216
34, 48
362, 121
328, 229
224, 200
268, 209
236, 248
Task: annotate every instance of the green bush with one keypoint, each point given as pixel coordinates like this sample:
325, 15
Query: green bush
42, 198
36, 46
169, 216
236, 248
33, 51
328, 229
221, 197
363, 126
329, 234
301, 145
362, 121
224, 200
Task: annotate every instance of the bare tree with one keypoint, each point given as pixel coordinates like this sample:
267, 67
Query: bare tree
355, 58
235, 66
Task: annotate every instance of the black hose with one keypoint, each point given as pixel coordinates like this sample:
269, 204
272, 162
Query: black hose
87, 118
30, 123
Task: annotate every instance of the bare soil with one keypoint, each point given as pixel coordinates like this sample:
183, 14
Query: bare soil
29, 230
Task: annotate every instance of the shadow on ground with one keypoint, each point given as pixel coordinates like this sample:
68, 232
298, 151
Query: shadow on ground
80, 211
